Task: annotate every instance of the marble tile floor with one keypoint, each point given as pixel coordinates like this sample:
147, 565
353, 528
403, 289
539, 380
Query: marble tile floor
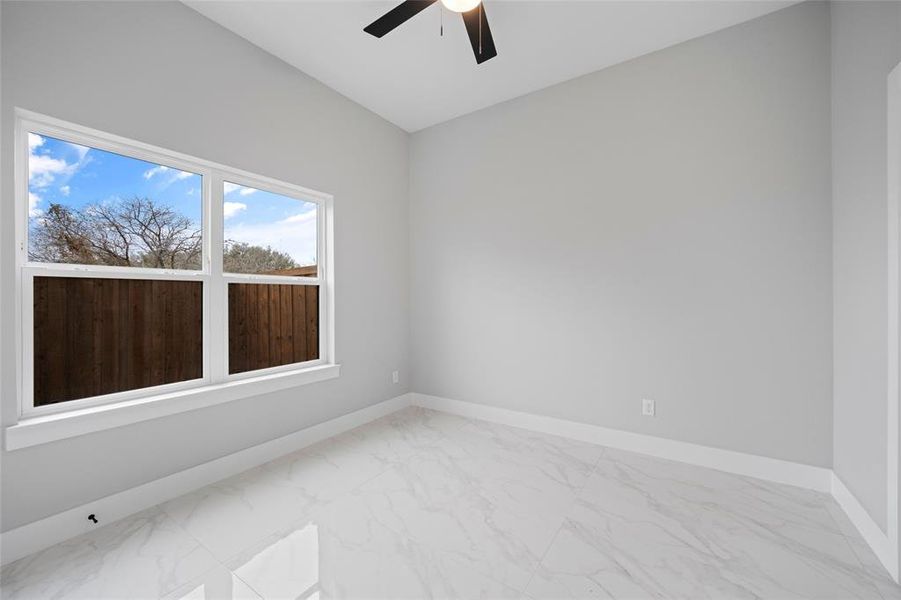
422, 504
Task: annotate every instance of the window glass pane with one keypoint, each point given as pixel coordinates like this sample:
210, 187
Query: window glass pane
90, 206
268, 234
270, 325
97, 336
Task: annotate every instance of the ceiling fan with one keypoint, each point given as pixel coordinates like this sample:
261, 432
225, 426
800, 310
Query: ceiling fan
473, 17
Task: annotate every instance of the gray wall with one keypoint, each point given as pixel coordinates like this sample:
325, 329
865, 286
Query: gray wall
658, 229
866, 45
162, 74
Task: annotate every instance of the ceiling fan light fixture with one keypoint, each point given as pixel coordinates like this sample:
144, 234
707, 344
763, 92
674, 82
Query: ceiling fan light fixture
476, 22
460, 6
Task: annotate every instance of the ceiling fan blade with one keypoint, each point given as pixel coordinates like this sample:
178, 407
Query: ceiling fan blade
397, 16
482, 41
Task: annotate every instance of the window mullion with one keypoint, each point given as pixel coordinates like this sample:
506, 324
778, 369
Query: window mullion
217, 348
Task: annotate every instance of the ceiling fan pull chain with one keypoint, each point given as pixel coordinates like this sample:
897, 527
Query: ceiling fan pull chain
441, 11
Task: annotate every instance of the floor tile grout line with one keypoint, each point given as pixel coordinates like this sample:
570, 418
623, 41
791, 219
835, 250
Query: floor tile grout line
538, 564
578, 493
241, 579
201, 545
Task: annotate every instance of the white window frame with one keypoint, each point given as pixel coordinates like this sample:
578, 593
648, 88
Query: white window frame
215, 291
268, 185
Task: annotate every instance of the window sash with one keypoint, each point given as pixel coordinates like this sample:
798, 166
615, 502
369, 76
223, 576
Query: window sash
215, 281
121, 146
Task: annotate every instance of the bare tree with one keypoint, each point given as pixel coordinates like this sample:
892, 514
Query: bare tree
135, 232
138, 232
246, 258
60, 235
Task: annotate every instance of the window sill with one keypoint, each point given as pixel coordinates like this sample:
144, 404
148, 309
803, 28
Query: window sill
40, 430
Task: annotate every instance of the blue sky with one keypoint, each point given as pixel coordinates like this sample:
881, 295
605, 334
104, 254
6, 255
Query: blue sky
266, 219
73, 175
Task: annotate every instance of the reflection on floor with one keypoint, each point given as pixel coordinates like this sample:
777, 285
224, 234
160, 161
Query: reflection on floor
422, 504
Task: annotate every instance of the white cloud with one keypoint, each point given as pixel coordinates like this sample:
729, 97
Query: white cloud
33, 201
43, 169
173, 175
231, 187
233, 208
64, 190
295, 235
305, 217
155, 171
82, 150
34, 141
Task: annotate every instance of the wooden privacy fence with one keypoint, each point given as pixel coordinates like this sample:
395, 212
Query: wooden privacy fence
271, 325
100, 336
96, 336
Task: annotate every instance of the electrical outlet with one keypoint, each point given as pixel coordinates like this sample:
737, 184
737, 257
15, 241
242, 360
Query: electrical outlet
648, 407
395, 377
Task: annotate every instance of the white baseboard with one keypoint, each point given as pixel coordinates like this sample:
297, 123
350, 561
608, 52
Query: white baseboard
866, 526
35, 536
771, 469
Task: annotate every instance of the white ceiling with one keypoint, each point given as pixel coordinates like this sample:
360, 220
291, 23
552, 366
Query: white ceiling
415, 78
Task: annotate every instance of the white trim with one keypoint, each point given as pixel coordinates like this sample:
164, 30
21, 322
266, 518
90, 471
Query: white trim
893, 274
61, 409
871, 532
326, 275
39, 430
107, 272
310, 364
20, 214
218, 354
770, 469
278, 279
36, 536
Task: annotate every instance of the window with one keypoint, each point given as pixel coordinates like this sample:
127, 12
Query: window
270, 324
268, 234
145, 273
92, 207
